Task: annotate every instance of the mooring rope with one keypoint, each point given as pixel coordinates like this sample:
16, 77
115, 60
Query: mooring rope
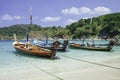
43, 70
92, 62
46, 71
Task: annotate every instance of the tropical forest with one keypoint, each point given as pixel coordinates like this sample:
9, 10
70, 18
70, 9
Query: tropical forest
104, 26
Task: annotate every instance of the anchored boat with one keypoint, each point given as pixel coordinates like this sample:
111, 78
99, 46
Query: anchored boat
33, 50
95, 48
28, 48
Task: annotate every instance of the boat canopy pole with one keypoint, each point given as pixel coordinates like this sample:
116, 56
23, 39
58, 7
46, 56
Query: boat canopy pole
46, 39
83, 40
93, 40
27, 37
15, 38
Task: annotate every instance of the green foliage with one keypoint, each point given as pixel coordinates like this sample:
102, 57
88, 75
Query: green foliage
105, 25
18, 29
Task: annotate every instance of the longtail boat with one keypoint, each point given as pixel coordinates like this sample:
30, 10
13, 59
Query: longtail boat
95, 48
58, 46
28, 48
33, 50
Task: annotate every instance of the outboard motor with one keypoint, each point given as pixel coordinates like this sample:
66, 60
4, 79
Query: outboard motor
65, 43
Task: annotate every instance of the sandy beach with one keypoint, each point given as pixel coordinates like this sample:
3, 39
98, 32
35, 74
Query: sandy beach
72, 65
69, 70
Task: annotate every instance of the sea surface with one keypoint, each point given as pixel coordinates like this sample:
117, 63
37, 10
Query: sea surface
11, 60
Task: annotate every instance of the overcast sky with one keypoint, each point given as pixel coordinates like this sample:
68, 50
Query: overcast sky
53, 12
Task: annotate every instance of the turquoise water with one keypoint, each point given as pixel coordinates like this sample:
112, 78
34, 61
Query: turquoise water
11, 60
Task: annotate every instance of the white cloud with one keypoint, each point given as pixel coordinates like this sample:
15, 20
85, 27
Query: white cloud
102, 10
9, 17
85, 17
86, 10
76, 11
17, 17
69, 21
51, 19
72, 10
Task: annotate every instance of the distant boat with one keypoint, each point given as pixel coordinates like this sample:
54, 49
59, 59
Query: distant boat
58, 46
94, 48
91, 47
117, 43
27, 48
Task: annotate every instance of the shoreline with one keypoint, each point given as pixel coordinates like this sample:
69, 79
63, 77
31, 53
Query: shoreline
77, 71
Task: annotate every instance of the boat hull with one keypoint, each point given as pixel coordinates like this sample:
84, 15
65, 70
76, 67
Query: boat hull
63, 48
57, 49
36, 51
91, 48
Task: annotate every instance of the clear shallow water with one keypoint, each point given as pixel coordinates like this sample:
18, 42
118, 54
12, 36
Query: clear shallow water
10, 60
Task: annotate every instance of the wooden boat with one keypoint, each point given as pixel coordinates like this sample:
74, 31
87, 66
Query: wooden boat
51, 46
33, 50
78, 46
55, 45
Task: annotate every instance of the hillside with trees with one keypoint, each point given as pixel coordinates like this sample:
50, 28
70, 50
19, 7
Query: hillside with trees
102, 26
105, 26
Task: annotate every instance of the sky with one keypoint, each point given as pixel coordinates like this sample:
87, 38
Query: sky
53, 12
